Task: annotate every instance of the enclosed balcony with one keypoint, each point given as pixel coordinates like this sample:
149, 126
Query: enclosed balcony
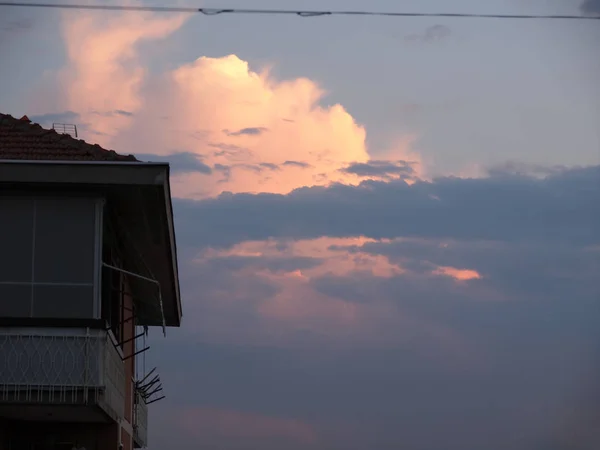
78, 275
61, 373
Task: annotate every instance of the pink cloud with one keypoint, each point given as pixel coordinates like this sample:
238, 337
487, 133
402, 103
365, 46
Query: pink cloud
204, 423
295, 305
334, 258
267, 135
103, 72
457, 274
261, 134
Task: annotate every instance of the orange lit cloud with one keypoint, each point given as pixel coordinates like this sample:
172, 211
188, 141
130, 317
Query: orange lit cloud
257, 133
206, 423
296, 301
296, 305
334, 259
457, 274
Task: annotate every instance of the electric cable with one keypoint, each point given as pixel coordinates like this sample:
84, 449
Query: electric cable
301, 13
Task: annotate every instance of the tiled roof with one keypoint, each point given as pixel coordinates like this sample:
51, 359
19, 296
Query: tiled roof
22, 140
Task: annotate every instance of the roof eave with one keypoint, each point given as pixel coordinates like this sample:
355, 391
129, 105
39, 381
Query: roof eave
88, 172
107, 173
172, 246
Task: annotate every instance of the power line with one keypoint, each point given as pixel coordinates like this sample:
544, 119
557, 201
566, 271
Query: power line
301, 13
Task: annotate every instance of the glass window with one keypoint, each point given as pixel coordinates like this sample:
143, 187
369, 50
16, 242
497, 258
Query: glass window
48, 256
16, 239
64, 240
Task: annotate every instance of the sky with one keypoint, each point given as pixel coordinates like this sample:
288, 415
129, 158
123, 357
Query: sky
387, 229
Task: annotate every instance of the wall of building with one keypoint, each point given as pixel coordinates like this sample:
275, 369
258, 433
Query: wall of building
126, 440
65, 435
129, 348
3, 435
108, 437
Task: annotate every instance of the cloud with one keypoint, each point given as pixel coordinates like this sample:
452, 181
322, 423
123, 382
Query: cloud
457, 274
124, 113
503, 208
259, 291
215, 94
520, 169
433, 33
511, 344
60, 117
302, 165
16, 26
411, 272
383, 170
103, 75
251, 131
180, 162
590, 7
257, 133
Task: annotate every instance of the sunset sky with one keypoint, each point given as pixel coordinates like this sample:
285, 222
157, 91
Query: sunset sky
388, 228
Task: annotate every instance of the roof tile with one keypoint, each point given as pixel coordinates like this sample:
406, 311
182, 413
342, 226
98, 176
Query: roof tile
22, 140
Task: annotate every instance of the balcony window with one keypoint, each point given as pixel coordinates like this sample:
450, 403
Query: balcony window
49, 256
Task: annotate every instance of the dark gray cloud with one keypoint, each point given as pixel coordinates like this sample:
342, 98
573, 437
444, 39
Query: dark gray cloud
514, 168
563, 207
515, 270
116, 112
433, 33
530, 325
287, 264
58, 117
269, 166
15, 23
537, 338
383, 169
16, 26
539, 347
591, 7
71, 117
526, 293
231, 152
124, 113
252, 131
301, 164
534, 374
180, 162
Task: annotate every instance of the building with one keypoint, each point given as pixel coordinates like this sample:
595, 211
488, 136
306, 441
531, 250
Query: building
88, 265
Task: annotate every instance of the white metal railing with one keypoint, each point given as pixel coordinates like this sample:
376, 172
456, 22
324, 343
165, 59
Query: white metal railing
66, 365
140, 420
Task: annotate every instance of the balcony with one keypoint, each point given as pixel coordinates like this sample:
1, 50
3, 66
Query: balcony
140, 422
78, 368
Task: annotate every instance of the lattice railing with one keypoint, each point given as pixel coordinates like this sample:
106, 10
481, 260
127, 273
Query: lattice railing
61, 366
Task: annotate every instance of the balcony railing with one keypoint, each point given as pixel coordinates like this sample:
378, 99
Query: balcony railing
140, 421
61, 366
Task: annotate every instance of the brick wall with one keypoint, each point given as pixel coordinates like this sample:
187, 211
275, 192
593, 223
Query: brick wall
129, 349
126, 440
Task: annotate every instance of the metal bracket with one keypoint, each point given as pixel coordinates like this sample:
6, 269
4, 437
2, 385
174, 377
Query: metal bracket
137, 336
156, 399
150, 280
135, 353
